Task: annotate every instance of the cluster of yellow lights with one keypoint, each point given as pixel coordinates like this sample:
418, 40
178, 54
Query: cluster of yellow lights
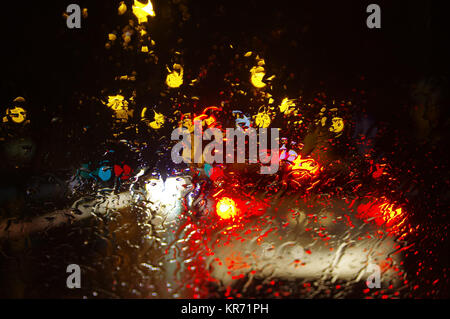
175, 77
226, 208
142, 10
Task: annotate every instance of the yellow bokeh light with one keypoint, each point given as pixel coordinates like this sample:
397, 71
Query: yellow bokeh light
262, 119
19, 99
337, 125
308, 165
142, 11
286, 104
122, 8
158, 121
226, 208
175, 78
17, 114
116, 102
112, 37
257, 75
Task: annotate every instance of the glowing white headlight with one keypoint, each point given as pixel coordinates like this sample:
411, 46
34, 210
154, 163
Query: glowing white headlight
165, 197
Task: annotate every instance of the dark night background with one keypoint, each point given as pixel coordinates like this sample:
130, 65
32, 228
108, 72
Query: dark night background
324, 44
